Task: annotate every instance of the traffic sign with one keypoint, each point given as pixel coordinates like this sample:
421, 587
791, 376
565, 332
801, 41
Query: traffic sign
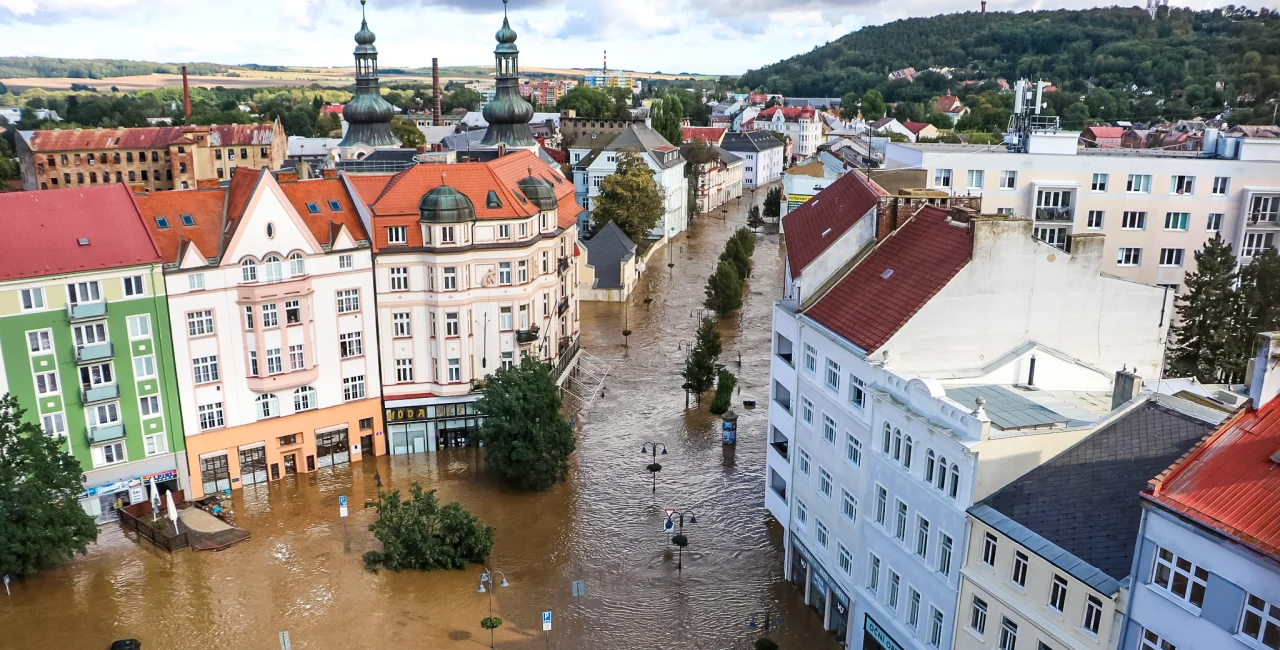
546, 621
342, 500
284, 641
668, 512
578, 588
342, 506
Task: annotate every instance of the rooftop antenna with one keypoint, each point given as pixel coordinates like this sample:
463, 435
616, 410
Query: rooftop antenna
604, 72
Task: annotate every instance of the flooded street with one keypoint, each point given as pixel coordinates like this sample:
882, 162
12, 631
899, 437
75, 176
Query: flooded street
301, 571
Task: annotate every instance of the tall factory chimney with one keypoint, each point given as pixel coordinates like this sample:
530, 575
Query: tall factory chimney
436, 116
984, 7
186, 94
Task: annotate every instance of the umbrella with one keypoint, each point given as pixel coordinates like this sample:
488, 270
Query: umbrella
155, 500
173, 510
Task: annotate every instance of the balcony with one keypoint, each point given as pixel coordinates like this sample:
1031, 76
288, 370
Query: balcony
105, 433
86, 311
525, 337
1264, 219
1062, 215
562, 265
781, 447
782, 396
95, 352
562, 306
94, 394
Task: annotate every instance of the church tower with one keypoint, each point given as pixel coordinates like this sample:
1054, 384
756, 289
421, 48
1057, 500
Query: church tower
368, 115
508, 114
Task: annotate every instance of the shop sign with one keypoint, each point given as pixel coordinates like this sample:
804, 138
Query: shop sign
880, 635
819, 582
160, 477
409, 414
798, 199
111, 488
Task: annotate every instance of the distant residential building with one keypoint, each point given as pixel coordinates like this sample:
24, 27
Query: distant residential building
905, 73
586, 132
802, 182
593, 160
887, 125
763, 154
12, 115
1254, 131
150, 158
614, 80
710, 134
950, 106
1206, 572
721, 180
1135, 139
921, 130
86, 340
1102, 137
546, 92
315, 151
801, 124
610, 268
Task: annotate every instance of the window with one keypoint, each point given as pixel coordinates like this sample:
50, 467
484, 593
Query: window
1255, 243
944, 554
104, 414
195, 281
270, 316
304, 399
451, 324
810, 358
397, 235
133, 286
857, 392
975, 179
942, 473
935, 626
895, 584
1140, 183
1133, 220
873, 574
1095, 219
292, 312
802, 513
508, 360
404, 371
1177, 220
1179, 577
109, 454
353, 388
248, 271
401, 324
83, 292
1152, 641
803, 465
833, 375
882, 503
897, 444
1129, 257
505, 321
297, 265
399, 278
1008, 180
942, 178
297, 360
149, 405
455, 370
345, 262
267, 406
248, 317
205, 369
522, 271
348, 301
821, 534
54, 425
1019, 575
922, 536
848, 506
1099, 182
824, 482
1058, 593
446, 235
504, 232
275, 362
843, 559
144, 367
1214, 224
1182, 184
978, 616
504, 273
1220, 184
46, 383
450, 278
100, 374
906, 452
989, 550
828, 429
1171, 256
272, 269
253, 363
32, 299
806, 411
1008, 634
1261, 621
852, 449
1092, 614
913, 607
350, 344
40, 341
187, 220
900, 520
200, 323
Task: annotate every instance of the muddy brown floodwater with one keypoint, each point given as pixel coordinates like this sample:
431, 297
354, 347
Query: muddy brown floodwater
301, 570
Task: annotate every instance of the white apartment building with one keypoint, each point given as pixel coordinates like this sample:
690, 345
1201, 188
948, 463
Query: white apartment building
802, 124
954, 356
270, 289
763, 155
1156, 208
594, 159
474, 269
721, 181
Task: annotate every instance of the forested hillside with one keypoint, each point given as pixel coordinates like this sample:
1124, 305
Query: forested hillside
1180, 56
38, 66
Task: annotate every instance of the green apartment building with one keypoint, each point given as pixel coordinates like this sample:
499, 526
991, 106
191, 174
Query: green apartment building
84, 338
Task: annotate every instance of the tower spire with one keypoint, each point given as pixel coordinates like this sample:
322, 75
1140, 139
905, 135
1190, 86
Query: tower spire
508, 114
368, 115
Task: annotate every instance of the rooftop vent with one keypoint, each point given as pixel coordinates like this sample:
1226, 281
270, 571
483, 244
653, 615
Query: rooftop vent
886, 274
83, 241
1275, 458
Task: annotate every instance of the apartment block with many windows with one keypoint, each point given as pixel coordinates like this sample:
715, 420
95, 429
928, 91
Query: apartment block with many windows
270, 283
85, 339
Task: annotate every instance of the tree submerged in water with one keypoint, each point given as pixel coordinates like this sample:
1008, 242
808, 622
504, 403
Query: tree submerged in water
527, 439
421, 534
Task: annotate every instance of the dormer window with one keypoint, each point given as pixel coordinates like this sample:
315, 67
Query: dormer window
313, 208
447, 235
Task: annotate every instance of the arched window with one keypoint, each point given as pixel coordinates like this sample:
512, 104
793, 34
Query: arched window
273, 270
248, 271
955, 480
906, 453
304, 398
928, 466
267, 406
888, 437
942, 472
297, 265
897, 444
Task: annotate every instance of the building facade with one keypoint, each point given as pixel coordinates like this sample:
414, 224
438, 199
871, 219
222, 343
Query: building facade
592, 164
763, 156
721, 181
1156, 208
802, 124
274, 334
146, 158
85, 340
474, 269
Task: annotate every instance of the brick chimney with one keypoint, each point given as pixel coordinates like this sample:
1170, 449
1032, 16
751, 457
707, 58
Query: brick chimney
436, 113
186, 94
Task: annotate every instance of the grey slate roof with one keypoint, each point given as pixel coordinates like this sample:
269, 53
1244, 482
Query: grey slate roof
727, 157
643, 138
750, 141
606, 252
1080, 510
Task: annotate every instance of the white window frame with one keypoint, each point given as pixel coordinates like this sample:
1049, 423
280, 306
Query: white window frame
348, 301
399, 278
401, 324
824, 483
1214, 222
149, 406
848, 506
1152, 641
139, 327
1096, 219
1138, 184
1171, 566
1058, 588
803, 464
351, 344
1177, 221
210, 416
404, 371
802, 515
1257, 611
454, 370
829, 430
397, 235
1009, 179
833, 376
47, 383
346, 262
1008, 634
1171, 257
134, 287
1133, 220
942, 178
852, 450
810, 359
1092, 615
40, 341
1099, 182
204, 370
31, 299
990, 550
946, 546
353, 388
844, 559
54, 424
1129, 257
1221, 185
806, 411
199, 323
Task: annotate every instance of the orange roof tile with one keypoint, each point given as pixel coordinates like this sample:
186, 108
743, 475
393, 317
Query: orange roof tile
322, 192
206, 210
153, 137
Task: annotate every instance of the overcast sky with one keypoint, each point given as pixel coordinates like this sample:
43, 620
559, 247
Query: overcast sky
705, 36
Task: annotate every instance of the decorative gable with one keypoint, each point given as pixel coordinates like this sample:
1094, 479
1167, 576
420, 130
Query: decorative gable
192, 257
270, 224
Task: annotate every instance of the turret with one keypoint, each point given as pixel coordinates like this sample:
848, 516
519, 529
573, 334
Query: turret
368, 115
508, 114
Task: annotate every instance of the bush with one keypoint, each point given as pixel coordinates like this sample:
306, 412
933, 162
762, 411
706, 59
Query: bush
724, 290
725, 384
527, 439
420, 534
735, 254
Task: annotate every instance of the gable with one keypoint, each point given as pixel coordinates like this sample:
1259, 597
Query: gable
268, 206
343, 241
192, 257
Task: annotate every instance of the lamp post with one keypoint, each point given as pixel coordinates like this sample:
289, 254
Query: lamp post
688, 352
654, 467
678, 539
487, 576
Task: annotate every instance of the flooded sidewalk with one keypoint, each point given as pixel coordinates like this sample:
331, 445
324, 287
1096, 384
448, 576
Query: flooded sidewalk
301, 570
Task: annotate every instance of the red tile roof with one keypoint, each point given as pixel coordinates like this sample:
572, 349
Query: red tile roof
712, 134
915, 127
41, 231
1229, 483
867, 307
836, 208
947, 103
789, 114
204, 206
153, 137
1101, 132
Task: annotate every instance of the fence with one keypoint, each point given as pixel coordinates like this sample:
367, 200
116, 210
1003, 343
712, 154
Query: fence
137, 518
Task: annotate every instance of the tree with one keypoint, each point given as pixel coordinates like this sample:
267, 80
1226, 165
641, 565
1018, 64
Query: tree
41, 522
629, 198
329, 124
940, 121
8, 166
461, 98
908, 112
746, 239
407, 133
873, 107
725, 383
736, 254
754, 220
668, 123
1260, 291
773, 203
1211, 342
588, 102
422, 535
724, 290
527, 439
700, 367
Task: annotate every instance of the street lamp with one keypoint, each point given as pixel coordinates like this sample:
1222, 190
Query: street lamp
487, 576
678, 539
654, 467
688, 352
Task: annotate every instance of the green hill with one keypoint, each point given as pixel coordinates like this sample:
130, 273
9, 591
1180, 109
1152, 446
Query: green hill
1180, 56
39, 66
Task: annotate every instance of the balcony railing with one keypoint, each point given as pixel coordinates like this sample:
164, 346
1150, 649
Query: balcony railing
95, 352
1055, 214
786, 356
86, 310
563, 306
1264, 218
105, 433
525, 337
780, 490
562, 265
784, 403
93, 394
781, 447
